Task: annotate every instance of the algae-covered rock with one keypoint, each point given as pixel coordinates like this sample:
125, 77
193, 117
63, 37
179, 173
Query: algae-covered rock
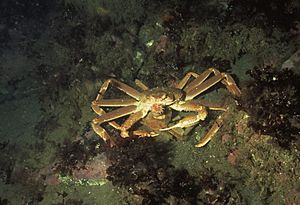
128, 12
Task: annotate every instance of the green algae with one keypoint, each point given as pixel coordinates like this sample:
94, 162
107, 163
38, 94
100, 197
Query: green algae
106, 194
263, 173
70, 181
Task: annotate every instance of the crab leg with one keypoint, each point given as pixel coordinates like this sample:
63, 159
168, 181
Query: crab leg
101, 131
231, 85
191, 119
201, 78
107, 117
200, 84
101, 112
212, 131
99, 101
103, 134
133, 118
121, 86
141, 84
130, 121
186, 78
177, 132
112, 103
142, 133
212, 106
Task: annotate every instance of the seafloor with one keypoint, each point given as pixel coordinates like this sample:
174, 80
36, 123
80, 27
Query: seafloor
55, 55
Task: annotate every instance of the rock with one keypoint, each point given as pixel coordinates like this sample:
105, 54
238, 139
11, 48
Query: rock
293, 63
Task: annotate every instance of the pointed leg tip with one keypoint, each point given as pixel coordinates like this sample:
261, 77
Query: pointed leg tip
199, 145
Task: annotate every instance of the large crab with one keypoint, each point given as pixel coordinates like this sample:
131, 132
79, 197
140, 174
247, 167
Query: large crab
153, 107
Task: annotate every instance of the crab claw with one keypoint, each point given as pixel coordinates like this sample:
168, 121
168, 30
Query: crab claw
187, 121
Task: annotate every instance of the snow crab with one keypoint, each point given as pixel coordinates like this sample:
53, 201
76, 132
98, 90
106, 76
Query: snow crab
154, 107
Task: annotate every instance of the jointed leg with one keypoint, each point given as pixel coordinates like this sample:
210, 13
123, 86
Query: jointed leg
109, 117
213, 106
103, 134
185, 79
101, 131
113, 102
129, 122
101, 112
121, 86
141, 84
110, 103
105, 117
201, 78
177, 132
201, 83
212, 131
231, 85
121, 112
190, 120
143, 133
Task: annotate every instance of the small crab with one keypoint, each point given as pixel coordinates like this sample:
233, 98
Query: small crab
153, 107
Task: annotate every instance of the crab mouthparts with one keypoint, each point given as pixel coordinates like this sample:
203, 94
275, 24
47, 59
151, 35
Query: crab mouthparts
157, 108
